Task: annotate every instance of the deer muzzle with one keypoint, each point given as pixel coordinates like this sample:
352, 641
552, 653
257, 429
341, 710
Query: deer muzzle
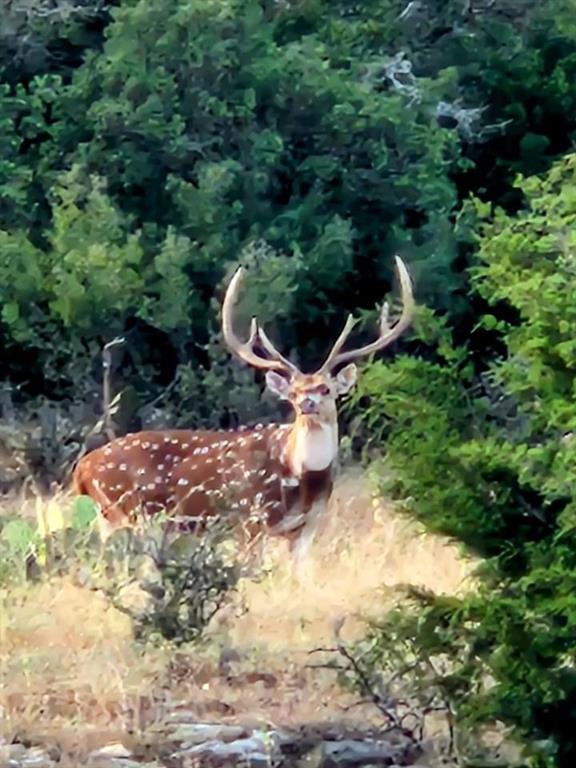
308, 406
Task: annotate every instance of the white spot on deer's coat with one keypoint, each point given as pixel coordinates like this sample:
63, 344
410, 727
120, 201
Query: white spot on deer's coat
151, 486
182, 481
122, 467
110, 465
161, 467
140, 471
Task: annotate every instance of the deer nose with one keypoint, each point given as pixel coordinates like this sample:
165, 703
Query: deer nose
308, 406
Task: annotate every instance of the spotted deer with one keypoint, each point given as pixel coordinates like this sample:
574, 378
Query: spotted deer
275, 478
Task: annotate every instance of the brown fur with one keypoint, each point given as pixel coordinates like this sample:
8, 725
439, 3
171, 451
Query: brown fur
244, 475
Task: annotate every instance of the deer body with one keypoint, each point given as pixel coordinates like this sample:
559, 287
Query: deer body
276, 478
269, 477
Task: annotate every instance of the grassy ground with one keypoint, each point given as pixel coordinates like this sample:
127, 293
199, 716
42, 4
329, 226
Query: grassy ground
72, 675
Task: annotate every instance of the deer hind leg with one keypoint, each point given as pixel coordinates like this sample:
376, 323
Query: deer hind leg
105, 527
251, 539
251, 553
113, 514
112, 518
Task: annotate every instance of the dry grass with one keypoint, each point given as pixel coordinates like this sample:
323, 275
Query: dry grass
71, 672
364, 550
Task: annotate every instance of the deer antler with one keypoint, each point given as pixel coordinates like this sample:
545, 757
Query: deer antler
387, 334
245, 349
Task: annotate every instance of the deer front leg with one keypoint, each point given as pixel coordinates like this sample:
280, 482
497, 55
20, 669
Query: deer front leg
315, 491
302, 540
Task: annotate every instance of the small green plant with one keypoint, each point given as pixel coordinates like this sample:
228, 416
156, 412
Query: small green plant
59, 541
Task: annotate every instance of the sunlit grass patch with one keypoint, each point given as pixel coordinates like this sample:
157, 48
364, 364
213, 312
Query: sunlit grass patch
73, 674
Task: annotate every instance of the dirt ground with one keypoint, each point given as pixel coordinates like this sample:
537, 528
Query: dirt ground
72, 675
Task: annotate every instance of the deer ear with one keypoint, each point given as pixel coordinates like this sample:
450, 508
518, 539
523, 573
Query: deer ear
346, 378
278, 384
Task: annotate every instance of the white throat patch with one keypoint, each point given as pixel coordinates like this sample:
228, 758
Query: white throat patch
315, 448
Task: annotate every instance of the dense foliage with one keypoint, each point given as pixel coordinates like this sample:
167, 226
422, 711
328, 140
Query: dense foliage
133, 186
491, 460
146, 148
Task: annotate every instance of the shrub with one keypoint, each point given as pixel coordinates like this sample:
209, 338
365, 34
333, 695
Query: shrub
489, 459
170, 586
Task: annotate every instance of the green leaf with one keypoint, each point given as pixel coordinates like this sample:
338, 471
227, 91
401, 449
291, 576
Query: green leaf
85, 513
19, 535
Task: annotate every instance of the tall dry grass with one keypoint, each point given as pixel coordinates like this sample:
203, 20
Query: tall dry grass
70, 670
363, 551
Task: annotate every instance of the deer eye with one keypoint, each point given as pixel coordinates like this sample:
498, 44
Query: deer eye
324, 390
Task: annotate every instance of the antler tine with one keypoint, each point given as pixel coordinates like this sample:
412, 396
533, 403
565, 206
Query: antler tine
385, 318
338, 344
264, 340
245, 349
387, 334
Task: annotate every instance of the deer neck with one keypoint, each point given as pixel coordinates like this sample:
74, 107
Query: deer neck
312, 444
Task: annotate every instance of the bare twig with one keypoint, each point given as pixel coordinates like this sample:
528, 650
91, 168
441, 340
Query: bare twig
107, 404
366, 686
413, 7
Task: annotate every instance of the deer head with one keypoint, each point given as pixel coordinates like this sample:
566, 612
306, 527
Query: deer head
312, 395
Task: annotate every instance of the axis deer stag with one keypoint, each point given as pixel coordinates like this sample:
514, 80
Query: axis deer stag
275, 478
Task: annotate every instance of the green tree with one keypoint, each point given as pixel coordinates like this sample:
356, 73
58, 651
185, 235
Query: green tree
490, 459
212, 132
